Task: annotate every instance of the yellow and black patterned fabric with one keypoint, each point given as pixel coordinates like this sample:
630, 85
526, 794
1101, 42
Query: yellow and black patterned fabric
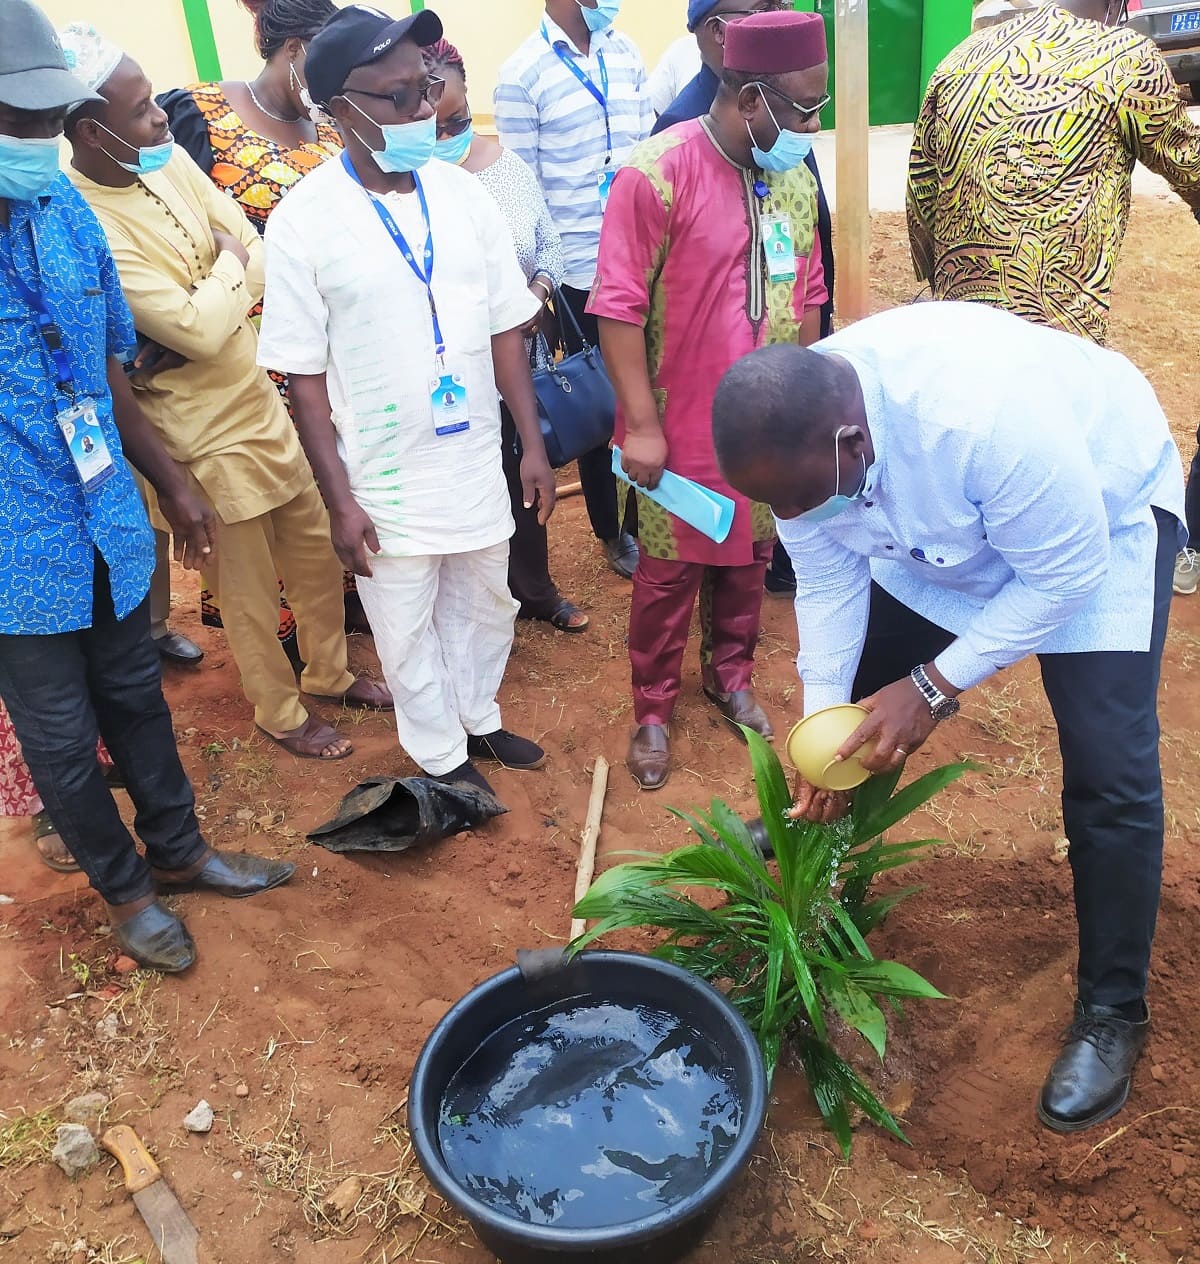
1020, 176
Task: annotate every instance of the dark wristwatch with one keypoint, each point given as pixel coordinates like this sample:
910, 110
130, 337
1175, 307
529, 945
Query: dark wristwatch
940, 706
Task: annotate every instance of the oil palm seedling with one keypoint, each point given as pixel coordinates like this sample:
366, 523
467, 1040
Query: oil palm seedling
787, 940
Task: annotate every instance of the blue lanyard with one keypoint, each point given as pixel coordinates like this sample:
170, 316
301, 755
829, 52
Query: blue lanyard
424, 274
600, 93
50, 333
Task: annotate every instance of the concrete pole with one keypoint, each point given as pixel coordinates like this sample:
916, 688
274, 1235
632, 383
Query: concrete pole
853, 212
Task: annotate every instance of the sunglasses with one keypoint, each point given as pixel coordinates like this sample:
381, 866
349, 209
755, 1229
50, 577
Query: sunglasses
806, 112
408, 101
454, 127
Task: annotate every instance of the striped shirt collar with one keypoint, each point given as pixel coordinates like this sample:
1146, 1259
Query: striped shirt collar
556, 37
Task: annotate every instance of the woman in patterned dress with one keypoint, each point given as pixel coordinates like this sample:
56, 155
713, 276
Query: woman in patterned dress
255, 141
539, 250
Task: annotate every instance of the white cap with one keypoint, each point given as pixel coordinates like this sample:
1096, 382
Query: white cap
90, 57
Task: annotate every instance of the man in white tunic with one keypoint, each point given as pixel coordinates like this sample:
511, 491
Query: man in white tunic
395, 302
958, 489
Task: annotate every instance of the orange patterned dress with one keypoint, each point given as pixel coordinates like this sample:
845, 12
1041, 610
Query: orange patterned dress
257, 173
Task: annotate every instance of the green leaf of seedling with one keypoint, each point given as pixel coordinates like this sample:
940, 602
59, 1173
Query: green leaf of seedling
916, 794
869, 916
857, 1010
890, 978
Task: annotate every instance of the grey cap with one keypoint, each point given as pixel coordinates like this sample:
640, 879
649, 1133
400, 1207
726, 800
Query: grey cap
33, 67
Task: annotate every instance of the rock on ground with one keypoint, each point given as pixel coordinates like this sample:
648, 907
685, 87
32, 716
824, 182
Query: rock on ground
200, 1118
75, 1151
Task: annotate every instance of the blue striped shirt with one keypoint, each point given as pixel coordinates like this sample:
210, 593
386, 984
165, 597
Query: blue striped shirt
546, 116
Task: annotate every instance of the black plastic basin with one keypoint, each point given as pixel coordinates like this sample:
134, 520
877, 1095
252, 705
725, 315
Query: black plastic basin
617, 977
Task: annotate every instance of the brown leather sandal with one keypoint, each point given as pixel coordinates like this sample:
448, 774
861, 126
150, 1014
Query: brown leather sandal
51, 848
311, 740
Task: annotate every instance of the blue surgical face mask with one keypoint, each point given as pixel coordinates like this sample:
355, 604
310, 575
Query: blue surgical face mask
28, 166
406, 146
456, 148
789, 150
837, 503
151, 158
602, 16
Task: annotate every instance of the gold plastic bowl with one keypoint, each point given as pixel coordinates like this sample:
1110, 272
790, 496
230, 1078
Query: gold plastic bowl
813, 743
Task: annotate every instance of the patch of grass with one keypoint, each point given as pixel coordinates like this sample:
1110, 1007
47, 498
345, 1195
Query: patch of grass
254, 768
391, 1202
26, 1139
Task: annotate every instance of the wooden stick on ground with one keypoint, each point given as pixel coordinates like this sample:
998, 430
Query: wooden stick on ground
591, 836
569, 489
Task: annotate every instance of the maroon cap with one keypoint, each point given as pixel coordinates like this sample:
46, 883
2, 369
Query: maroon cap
775, 43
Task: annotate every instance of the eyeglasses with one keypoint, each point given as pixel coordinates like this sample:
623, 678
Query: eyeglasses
454, 127
408, 101
806, 112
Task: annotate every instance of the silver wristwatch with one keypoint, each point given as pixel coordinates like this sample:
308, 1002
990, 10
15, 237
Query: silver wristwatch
940, 706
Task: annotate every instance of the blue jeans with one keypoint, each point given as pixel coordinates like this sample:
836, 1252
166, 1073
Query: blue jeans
65, 690
1105, 705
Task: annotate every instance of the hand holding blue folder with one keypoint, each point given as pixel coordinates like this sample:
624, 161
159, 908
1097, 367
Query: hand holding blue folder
707, 511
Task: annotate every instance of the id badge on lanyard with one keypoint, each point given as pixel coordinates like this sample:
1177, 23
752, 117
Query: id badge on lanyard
85, 440
779, 247
606, 175
447, 386
76, 418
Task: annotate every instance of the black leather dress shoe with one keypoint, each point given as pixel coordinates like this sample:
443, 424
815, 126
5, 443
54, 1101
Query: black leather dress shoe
157, 939
176, 648
233, 874
622, 554
1090, 1080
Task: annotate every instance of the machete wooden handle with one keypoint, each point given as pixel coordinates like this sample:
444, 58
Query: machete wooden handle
140, 1169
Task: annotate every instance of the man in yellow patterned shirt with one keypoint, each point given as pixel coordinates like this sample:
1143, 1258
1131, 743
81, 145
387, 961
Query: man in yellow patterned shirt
1019, 181
1020, 176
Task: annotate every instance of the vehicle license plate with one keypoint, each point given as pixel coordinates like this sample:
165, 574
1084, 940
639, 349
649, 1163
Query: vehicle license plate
1189, 21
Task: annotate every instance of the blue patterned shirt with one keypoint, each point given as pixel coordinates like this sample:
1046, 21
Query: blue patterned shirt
49, 526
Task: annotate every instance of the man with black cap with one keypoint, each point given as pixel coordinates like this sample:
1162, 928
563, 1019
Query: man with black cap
709, 250
710, 20
76, 554
395, 301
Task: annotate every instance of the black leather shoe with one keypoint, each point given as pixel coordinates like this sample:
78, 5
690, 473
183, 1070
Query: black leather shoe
649, 757
508, 749
760, 838
1090, 1080
176, 648
233, 874
778, 585
157, 939
622, 554
467, 774
741, 707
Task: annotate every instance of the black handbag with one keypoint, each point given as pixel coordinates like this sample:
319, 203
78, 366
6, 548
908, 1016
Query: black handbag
577, 406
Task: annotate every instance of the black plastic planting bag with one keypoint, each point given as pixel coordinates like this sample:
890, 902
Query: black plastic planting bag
394, 814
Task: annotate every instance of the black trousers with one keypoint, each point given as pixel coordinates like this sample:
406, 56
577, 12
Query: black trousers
65, 690
600, 492
1193, 498
528, 556
1106, 708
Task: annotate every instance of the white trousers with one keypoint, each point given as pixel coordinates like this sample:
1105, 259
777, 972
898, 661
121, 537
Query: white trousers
443, 630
